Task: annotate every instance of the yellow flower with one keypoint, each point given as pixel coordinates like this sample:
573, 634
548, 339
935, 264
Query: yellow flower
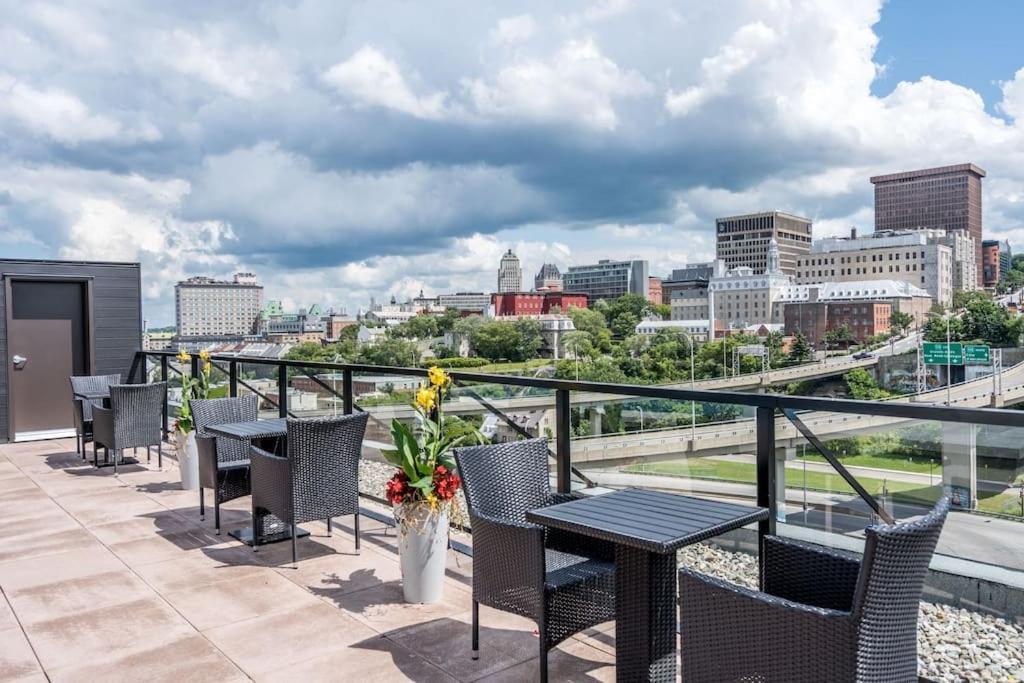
432, 499
426, 397
204, 356
207, 366
183, 356
438, 377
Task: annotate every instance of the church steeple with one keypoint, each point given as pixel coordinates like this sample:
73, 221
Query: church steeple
774, 266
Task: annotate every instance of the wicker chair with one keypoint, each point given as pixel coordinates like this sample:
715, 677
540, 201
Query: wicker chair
319, 479
823, 615
223, 462
82, 409
134, 419
563, 581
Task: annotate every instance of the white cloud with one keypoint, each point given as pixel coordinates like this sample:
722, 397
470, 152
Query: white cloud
63, 117
512, 30
370, 78
1013, 97
579, 84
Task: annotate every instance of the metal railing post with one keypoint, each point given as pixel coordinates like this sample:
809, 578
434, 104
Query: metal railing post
195, 365
765, 476
282, 390
348, 400
563, 442
233, 378
163, 378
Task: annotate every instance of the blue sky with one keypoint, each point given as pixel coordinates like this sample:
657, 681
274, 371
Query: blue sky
977, 43
343, 149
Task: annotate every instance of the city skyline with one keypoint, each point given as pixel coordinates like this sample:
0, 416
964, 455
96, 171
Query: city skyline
231, 151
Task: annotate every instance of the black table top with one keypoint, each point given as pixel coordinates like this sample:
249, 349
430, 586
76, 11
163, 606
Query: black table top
254, 429
649, 520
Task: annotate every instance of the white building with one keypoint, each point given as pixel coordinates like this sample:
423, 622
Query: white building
473, 302
391, 314
204, 307
510, 274
740, 297
696, 329
370, 335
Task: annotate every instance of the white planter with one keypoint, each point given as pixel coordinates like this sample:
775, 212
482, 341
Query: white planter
188, 459
423, 549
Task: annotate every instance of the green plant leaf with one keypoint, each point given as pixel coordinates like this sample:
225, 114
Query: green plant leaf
424, 483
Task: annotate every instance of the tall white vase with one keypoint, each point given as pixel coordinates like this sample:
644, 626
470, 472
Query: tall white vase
423, 549
188, 459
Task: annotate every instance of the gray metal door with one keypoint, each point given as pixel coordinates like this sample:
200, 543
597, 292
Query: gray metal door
47, 344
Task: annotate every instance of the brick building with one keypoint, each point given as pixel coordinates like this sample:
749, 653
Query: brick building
535, 303
654, 291
814, 318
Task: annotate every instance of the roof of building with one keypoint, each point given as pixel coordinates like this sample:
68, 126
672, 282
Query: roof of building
858, 289
672, 324
938, 170
762, 214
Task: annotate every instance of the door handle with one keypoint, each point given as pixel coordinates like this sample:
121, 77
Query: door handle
18, 360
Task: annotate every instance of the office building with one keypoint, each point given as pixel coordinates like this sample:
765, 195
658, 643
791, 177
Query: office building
548, 279
607, 279
536, 303
510, 273
922, 258
209, 308
742, 241
464, 302
997, 260
686, 291
947, 198
739, 297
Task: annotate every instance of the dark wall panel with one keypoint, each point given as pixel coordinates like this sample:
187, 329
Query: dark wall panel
116, 312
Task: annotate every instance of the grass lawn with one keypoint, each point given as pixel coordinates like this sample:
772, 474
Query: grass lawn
902, 464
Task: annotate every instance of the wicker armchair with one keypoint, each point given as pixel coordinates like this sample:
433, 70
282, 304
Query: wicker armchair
134, 419
319, 479
82, 409
562, 581
223, 462
823, 615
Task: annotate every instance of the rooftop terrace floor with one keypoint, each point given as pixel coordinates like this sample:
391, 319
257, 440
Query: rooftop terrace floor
110, 577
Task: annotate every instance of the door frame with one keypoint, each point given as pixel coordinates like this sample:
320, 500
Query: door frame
87, 314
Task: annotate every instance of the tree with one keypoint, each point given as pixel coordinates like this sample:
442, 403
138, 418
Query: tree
579, 343
593, 323
624, 324
394, 352
417, 327
323, 353
531, 341
506, 340
446, 321
663, 311
863, 386
633, 304
900, 322
799, 350
601, 369
840, 336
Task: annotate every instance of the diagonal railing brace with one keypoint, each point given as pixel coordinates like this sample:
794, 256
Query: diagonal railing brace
838, 466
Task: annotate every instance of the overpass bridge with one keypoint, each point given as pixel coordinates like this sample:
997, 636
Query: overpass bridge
738, 436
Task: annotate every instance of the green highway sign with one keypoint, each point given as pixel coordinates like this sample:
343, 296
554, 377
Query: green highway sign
977, 354
941, 353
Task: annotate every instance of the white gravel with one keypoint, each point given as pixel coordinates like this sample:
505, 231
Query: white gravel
953, 644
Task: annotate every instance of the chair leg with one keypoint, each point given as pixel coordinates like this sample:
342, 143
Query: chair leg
202, 505
356, 527
117, 456
255, 524
543, 654
149, 454
328, 526
78, 442
216, 511
295, 555
476, 630
95, 456
160, 454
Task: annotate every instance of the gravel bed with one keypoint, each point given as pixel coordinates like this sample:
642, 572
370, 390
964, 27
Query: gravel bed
953, 644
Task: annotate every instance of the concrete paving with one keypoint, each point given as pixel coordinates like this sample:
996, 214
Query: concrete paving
108, 577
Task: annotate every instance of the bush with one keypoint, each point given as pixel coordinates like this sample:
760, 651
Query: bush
456, 362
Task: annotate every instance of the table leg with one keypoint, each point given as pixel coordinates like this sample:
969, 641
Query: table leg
645, 623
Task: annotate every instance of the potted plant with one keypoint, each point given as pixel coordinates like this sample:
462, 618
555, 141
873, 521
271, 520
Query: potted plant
184, 428
423, 489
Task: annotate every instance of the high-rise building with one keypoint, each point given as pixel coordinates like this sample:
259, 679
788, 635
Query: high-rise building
548, 279
510, 274
743, 240
204, 307
923, 258
607, 279
947, 197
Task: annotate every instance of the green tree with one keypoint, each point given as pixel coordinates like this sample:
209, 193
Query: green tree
323, 353
531, 341
394, 352
507, 340
900, 322
579, 343
862, 385
593, 323
624, 324
446, 321
633, 304
799, 350
663, 311
601, 369
417, 327
840, 336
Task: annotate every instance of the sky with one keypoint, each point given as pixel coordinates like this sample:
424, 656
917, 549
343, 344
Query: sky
343, 150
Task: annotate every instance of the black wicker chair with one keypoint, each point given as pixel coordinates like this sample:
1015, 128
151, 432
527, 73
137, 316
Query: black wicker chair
134, 419
82, 409
823, 616
319, 478
563, 581
223, 462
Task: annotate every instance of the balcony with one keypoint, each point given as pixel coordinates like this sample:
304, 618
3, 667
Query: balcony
116, 576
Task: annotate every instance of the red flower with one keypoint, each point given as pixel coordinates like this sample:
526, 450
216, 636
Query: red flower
397, 488
446, 483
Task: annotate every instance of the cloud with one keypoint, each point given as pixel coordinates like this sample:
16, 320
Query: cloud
512, 30
577, 84
370, 78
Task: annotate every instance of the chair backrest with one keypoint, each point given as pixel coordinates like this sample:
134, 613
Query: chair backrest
88, 384
217, 411
323, 456
138, 413
888, 593
505, 480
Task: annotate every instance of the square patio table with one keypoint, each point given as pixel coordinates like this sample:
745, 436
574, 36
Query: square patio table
647, 528
274, 529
